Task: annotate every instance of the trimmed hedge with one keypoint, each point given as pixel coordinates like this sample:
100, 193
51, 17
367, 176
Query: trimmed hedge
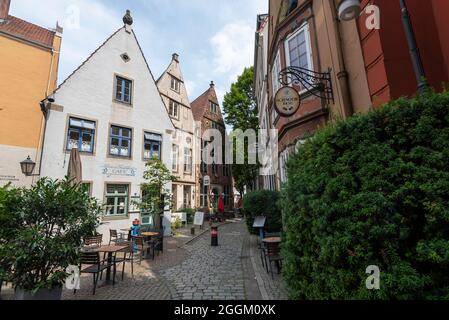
373, 190
263, 202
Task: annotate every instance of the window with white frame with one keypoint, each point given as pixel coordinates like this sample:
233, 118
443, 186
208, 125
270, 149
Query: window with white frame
175, 158
173, 109
275, 73
175, 84
117, 198
204, 196
187, 160
283, 165
213, 107
298, 51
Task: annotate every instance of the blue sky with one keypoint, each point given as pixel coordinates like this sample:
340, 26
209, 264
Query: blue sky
214, 38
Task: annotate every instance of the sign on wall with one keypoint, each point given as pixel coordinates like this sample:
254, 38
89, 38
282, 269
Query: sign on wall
111, 171
206, 181
287, 101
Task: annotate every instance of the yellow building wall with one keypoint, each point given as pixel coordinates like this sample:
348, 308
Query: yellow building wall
27, 75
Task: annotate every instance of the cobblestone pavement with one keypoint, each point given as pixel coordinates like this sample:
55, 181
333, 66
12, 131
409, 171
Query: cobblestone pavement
210, 273
192, 271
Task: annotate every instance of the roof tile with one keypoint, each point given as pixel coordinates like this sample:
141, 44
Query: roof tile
27, 31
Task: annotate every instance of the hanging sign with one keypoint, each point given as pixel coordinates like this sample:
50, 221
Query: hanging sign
206, 181
287, 101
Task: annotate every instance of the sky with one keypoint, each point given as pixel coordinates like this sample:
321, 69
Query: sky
214, 38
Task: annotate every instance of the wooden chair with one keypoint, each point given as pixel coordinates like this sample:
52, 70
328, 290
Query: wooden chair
128, 256
115, 237
273, 254
95, 266
139, 245
93, 241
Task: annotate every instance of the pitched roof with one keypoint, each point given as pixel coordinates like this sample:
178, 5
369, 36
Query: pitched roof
200, 105
27, 31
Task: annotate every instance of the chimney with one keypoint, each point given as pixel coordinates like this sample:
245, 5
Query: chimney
4, 9
212, 84
175, 57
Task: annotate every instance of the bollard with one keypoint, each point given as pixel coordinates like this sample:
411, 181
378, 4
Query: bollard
214, 236
192, 231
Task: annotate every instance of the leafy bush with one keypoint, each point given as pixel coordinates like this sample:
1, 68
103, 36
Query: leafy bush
47, 223
373, 190
263, 202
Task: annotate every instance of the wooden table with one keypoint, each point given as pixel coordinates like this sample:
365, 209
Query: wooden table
272, 240
110, 250
149, 234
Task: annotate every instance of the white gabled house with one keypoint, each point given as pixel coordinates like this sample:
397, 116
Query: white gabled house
111, 109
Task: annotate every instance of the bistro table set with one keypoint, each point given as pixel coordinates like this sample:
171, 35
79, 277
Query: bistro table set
97, 257
270, 251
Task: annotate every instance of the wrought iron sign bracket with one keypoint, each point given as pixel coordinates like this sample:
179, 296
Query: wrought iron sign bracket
318, 84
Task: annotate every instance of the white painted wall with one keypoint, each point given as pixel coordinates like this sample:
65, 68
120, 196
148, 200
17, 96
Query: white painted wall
88, 94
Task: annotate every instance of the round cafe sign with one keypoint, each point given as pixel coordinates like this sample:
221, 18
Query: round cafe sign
287, 101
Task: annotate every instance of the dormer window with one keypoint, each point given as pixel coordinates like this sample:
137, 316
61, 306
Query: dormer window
175, 84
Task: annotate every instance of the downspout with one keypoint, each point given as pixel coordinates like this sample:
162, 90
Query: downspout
342, 75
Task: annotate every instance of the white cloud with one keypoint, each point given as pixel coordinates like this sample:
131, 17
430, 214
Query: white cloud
233, 48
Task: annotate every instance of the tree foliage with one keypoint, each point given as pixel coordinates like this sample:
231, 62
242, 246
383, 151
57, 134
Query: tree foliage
241, 113
373, 190
263, 203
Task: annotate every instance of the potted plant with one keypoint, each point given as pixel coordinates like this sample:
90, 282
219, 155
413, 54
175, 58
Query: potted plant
50, 220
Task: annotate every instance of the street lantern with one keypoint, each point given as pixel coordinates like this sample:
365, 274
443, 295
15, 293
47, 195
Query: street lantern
349, 9
28, 166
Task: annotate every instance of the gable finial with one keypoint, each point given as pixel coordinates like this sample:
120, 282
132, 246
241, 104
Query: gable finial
212, 84
127, 19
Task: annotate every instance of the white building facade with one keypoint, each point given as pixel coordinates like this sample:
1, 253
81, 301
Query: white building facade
184, 148
111, 110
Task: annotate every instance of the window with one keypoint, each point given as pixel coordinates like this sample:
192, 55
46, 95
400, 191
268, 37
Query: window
175, 157
123, 91
117, 200
173, 109
120, 142
152, 146
204, 194
215, 168
203, 165
175, 84
227, 195
275, 73
81, 135
187, 160
297, 49
87, 186
213, 107
215, 125
283, 165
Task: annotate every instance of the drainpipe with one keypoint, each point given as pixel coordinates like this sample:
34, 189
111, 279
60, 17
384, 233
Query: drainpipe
342, 74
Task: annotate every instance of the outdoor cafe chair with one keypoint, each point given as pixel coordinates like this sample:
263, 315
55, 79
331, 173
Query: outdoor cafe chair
115, 237
140, 246
273, 254
128, 256
263, 250
93, 241
95, 266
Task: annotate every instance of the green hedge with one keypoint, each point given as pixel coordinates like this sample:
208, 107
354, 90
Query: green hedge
263, 202
373, 190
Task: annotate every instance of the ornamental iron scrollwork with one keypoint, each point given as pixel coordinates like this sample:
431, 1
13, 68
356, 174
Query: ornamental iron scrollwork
318, 84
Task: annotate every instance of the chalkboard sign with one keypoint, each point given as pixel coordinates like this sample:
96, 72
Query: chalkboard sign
259, 222
199, 219
184, 217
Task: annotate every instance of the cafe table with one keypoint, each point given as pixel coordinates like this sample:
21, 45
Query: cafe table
110, 250
272, 240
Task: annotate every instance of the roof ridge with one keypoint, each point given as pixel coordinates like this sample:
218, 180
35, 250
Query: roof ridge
87, 59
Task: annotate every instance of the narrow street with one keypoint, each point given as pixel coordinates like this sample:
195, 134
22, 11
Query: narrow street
194, 271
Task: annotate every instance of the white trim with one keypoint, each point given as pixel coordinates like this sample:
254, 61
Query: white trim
276, 68
306, 29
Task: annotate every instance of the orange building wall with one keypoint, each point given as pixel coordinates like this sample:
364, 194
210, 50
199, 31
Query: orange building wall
29, 74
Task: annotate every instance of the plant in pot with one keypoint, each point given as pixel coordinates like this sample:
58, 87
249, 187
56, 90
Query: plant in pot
50, 221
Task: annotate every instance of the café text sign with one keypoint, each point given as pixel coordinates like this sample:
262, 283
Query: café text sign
110, 171
287, 101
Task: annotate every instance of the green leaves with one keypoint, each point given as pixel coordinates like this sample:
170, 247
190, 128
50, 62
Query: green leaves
373, 190
263, 202
44, 229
